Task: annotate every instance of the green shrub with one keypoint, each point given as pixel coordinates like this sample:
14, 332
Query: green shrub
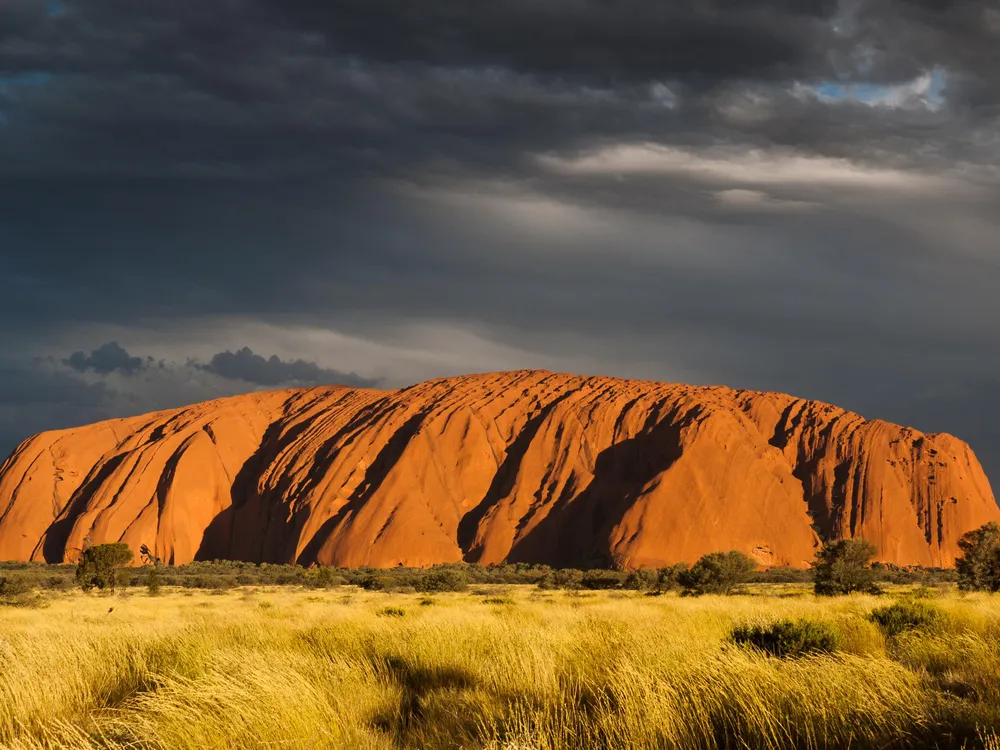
596, 580
13, 586
905, 615
844, 567
379, 583
978, 566
210, 582
56, 583
101, 564
717, 573
445, 579
567, 578
18, 591
391, 612
788, 638
153, 581
668, 578
643, 579
326, 578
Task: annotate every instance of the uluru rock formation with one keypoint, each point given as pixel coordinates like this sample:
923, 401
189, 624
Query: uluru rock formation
519, 466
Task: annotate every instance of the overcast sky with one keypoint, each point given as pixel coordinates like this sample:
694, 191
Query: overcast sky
205, 198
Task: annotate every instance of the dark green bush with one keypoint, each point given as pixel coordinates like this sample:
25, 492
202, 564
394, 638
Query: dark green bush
788, 638
978, 566
326, 577
567, 578
210, 582
844, 567
101, 565
445, 579
379, 583
717, 573
596, 580
12, 586
153, 581
643, 579
908, 614
668, 578
18, 591
57, 583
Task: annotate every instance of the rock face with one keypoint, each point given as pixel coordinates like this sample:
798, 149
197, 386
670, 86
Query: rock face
518, 466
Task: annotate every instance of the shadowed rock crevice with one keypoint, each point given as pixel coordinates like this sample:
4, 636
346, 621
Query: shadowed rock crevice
577, 529
503, 482
374, 477
54, 547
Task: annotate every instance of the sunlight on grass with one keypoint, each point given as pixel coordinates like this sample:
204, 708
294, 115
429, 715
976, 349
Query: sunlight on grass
513, 669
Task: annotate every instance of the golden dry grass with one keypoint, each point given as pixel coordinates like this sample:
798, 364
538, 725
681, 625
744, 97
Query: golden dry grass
516, 669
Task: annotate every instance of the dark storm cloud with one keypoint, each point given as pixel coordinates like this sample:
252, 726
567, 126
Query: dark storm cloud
257, 90
253, 368
106, 359
592, 41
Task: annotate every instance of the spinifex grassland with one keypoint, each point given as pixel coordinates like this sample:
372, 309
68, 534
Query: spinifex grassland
491, 668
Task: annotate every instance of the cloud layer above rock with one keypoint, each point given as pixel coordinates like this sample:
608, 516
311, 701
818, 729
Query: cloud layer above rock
797, 196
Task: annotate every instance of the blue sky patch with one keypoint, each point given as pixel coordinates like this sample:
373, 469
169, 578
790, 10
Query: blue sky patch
927, 89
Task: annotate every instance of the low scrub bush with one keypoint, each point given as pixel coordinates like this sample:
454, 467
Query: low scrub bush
717, 573
905, 615
219, 583
788, 638
568, 578
14, 586
326, 577
643, 579
601, 579
378, 583
445, 579
16, 591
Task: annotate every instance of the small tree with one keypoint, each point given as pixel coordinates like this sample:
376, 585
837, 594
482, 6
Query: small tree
100, 564
978, 566
153, 581
844, 567
327, 578
718, 573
